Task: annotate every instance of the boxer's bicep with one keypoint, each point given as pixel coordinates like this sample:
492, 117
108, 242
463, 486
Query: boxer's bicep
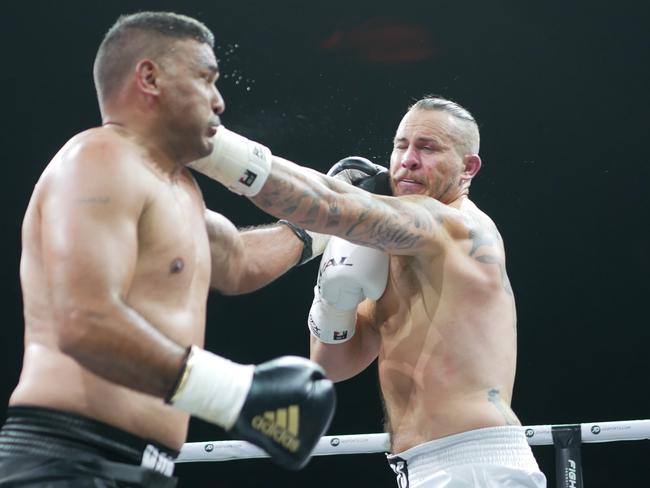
271, 251
226, 253
245, 260
89, 229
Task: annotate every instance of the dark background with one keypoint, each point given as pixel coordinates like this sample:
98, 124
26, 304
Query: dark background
560, 93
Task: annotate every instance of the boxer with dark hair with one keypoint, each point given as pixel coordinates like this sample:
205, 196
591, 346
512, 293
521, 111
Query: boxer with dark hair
119, 253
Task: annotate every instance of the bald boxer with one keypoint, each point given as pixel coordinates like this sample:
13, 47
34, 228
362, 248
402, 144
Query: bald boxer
119, 253
444, 328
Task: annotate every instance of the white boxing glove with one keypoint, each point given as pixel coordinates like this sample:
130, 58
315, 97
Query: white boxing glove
348, 274
238, 163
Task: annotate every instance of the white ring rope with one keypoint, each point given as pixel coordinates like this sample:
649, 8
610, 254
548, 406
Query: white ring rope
625, 430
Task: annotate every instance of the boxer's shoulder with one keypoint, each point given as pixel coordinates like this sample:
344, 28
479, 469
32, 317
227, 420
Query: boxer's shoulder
99, 138
104, 157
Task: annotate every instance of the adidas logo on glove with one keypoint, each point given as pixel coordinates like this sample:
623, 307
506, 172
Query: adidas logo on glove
288, 408
282, 425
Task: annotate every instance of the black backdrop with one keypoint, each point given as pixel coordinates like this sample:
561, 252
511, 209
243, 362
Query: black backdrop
560, 92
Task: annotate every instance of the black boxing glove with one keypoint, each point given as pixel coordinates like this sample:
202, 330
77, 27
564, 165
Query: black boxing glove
363, 174
288, 408
283, 406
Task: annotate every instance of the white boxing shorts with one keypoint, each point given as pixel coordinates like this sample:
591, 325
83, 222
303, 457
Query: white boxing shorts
494, 457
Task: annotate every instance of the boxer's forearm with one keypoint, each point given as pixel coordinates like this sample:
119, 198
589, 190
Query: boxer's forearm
401, 226
245, 260
117, 344
311, 199
269, 253
346, 360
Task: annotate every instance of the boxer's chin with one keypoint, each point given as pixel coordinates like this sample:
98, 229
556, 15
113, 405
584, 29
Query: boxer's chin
405, 187
207, 147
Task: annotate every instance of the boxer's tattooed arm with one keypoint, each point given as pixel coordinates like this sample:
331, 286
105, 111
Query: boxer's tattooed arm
363, 219
387, 232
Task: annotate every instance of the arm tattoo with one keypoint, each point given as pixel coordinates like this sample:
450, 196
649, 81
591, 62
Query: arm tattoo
482, 238
479, 238
360, 222
386, 232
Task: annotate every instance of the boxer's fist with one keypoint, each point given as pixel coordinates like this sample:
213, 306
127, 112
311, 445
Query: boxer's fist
288, 408
283, 405
363, 174
348, 274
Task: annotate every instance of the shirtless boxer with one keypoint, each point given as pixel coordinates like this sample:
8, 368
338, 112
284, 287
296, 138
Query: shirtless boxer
119, 253
444, 329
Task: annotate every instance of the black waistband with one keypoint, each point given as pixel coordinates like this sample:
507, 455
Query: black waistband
53, 433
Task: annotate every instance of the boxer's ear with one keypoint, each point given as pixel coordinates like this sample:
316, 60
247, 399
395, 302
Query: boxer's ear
147, 73
471, 166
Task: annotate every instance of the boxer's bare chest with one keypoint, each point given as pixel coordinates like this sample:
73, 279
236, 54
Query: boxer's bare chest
411, 297
173, 250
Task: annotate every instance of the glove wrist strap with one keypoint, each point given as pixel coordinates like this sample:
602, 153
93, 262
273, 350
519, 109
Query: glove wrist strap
238, 163
182, 376
213, 388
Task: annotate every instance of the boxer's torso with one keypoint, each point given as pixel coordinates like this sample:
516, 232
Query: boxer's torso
168, 288
448, 338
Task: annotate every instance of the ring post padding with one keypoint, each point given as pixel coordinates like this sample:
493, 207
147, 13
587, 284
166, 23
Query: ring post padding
568, 460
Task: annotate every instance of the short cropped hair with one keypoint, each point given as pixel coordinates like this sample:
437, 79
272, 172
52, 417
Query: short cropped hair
140, 35
469, 138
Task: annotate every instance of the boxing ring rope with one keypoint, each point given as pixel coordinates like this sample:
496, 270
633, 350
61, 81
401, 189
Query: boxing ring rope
566, 438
